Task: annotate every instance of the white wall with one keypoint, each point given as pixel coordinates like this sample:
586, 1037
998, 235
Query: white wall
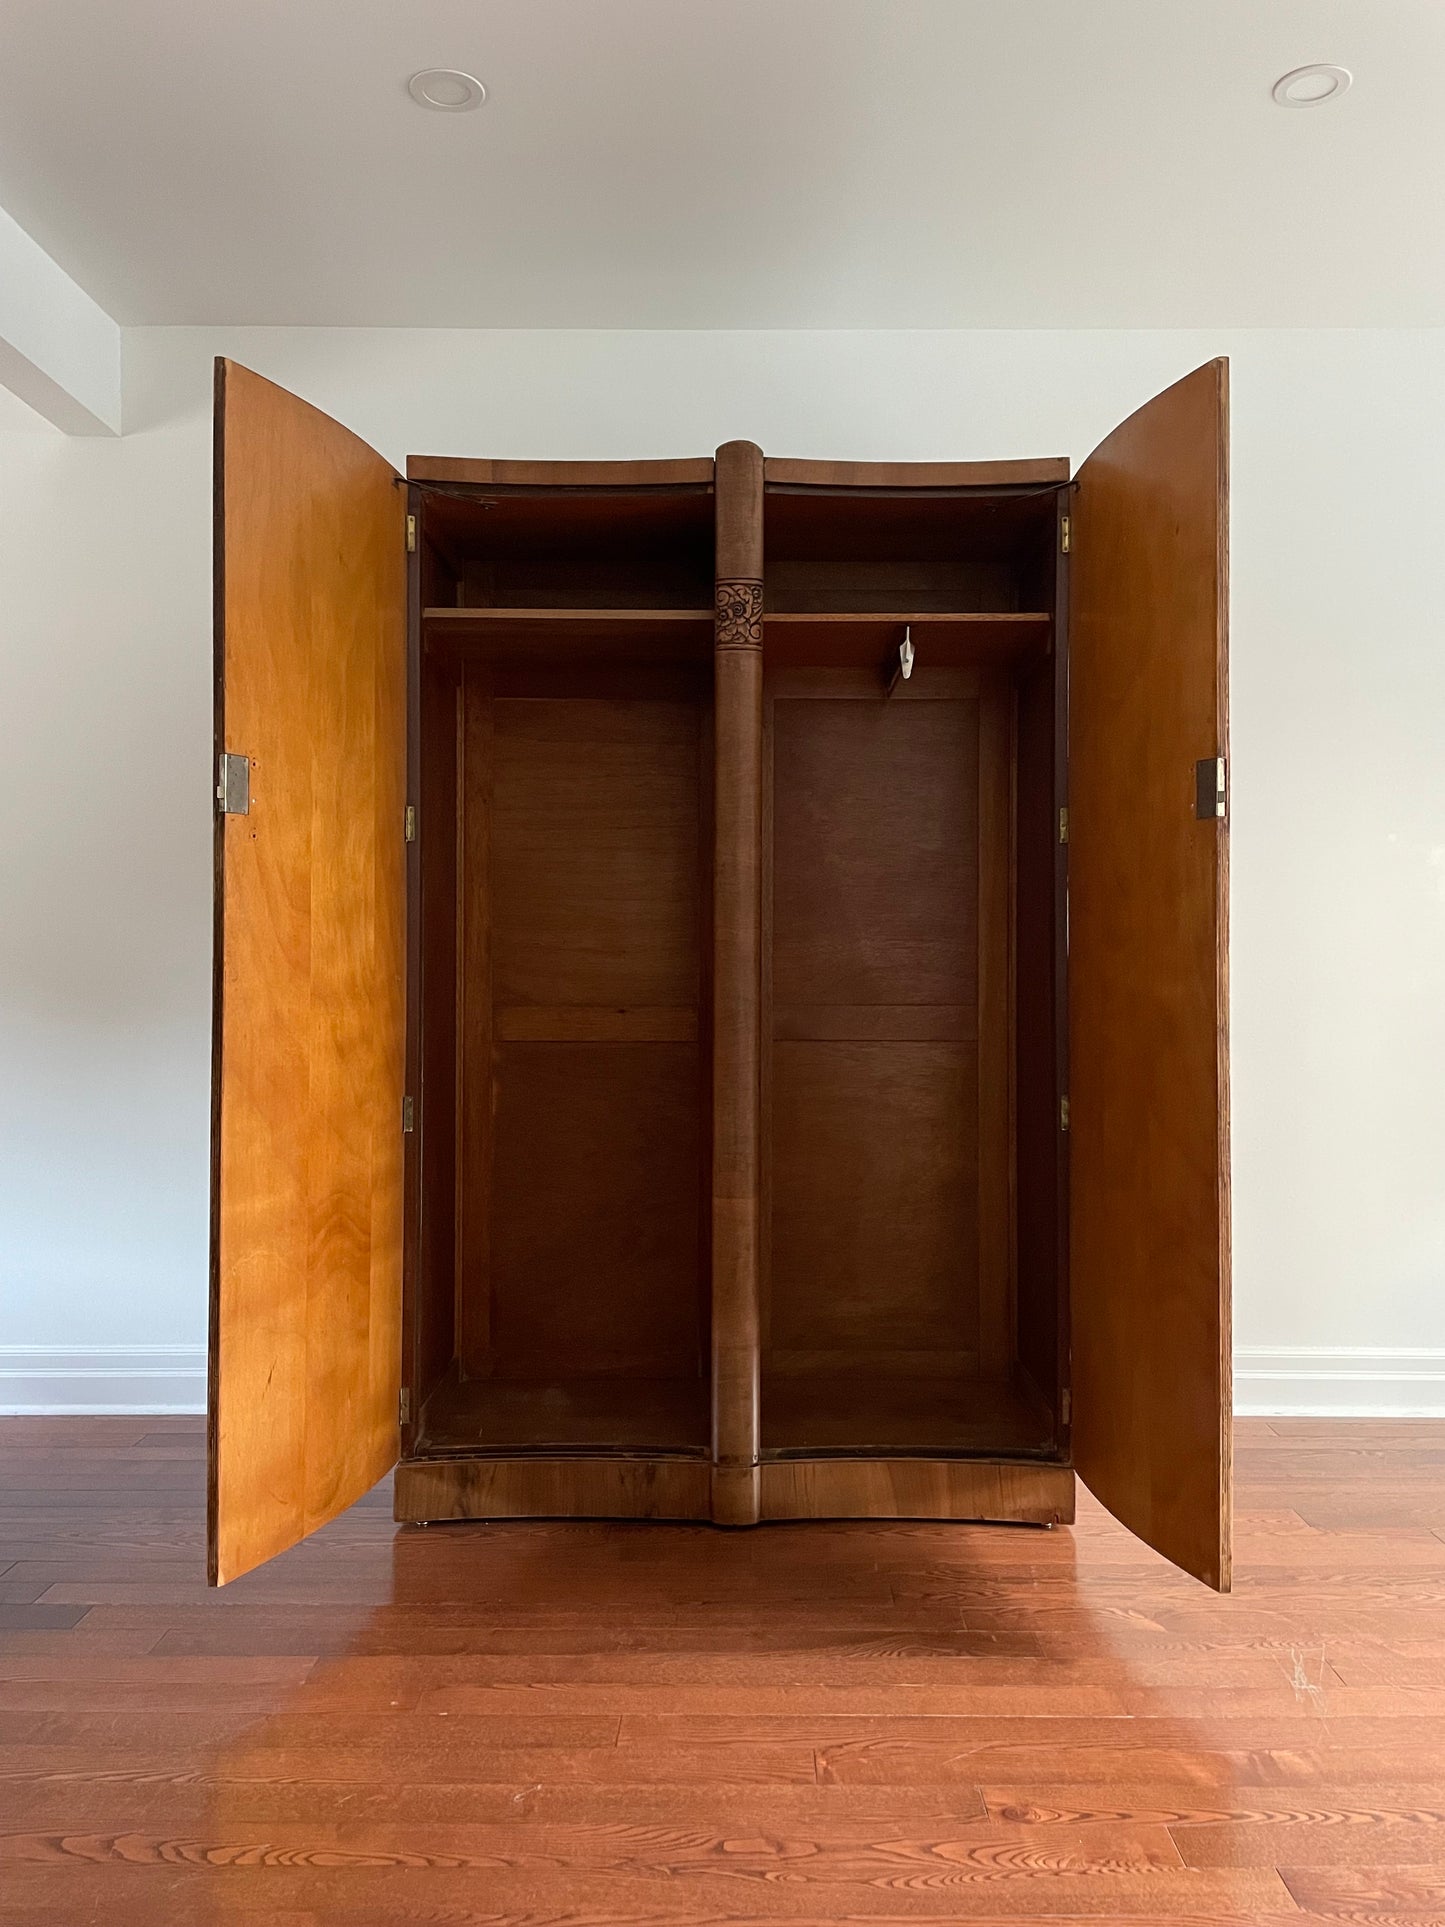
59, 350
1338, 784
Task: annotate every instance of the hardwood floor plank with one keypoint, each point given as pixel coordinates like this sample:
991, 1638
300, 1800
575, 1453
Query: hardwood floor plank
596, 1723
1413, 1894
834, 1855
884, 1700
1323, 1842
85, 1666
449, 1758
20, 1591
1148, 1802
44, 1616
359, 1879
110, 1801
419, 1913
360, 1681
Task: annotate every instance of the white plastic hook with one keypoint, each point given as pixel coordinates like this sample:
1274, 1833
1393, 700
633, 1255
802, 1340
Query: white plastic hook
903, 667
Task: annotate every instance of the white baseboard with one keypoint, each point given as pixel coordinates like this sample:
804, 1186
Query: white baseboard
1316, 1380
41, 1380
1339, 1381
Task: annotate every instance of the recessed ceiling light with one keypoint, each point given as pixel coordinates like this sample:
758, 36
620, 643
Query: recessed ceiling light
446, 89
1312, 86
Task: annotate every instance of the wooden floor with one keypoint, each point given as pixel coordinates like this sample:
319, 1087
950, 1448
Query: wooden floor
533, 1725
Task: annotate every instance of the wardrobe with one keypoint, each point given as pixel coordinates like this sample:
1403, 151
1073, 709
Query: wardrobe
720, 996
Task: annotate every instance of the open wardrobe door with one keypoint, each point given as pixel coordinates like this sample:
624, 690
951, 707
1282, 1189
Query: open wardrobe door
309, 992
1148, 982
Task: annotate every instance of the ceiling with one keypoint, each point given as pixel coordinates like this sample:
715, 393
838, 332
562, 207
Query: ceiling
732, 163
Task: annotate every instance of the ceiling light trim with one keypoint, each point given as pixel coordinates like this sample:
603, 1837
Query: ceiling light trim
1298, 87
446, 90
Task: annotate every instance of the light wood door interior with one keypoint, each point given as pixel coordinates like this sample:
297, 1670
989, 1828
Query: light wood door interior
309, 1004
1147, 976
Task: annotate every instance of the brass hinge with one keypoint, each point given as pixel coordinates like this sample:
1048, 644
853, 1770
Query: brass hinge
411, 822
1064, 534
233, 786
1063, 1114
403, 1406
411, 535
1066, 1407
408, 1114
1064, 824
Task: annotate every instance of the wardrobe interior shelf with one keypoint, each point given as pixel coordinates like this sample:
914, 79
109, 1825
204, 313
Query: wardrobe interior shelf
507, 635
859, 641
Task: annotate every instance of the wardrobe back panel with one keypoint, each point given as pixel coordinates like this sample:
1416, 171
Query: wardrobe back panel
874, 1084
580, 549
586, 870
595, 861
903, 550
875, 1206
1036, 1103
595, 1234
875, 864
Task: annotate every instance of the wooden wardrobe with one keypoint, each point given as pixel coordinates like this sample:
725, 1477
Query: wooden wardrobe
720, 1001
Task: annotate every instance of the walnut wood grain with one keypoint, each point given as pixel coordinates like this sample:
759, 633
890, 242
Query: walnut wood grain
916, 1488
519, 637
435, 971
1148, 995
475, 1024
309, 1037
911, 1404
997, 1316
737, 952
653, 474
618, 1412
888, 1066
781, 469
539, 1488
582, 1236
837, 641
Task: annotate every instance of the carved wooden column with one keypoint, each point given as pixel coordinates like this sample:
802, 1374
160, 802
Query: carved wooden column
737, 981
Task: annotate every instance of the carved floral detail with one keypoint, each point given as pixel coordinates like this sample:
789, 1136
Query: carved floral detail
739, 614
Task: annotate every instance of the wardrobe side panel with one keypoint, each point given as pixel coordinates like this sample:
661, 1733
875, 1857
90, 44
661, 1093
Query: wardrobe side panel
436, 784
1036, 1101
